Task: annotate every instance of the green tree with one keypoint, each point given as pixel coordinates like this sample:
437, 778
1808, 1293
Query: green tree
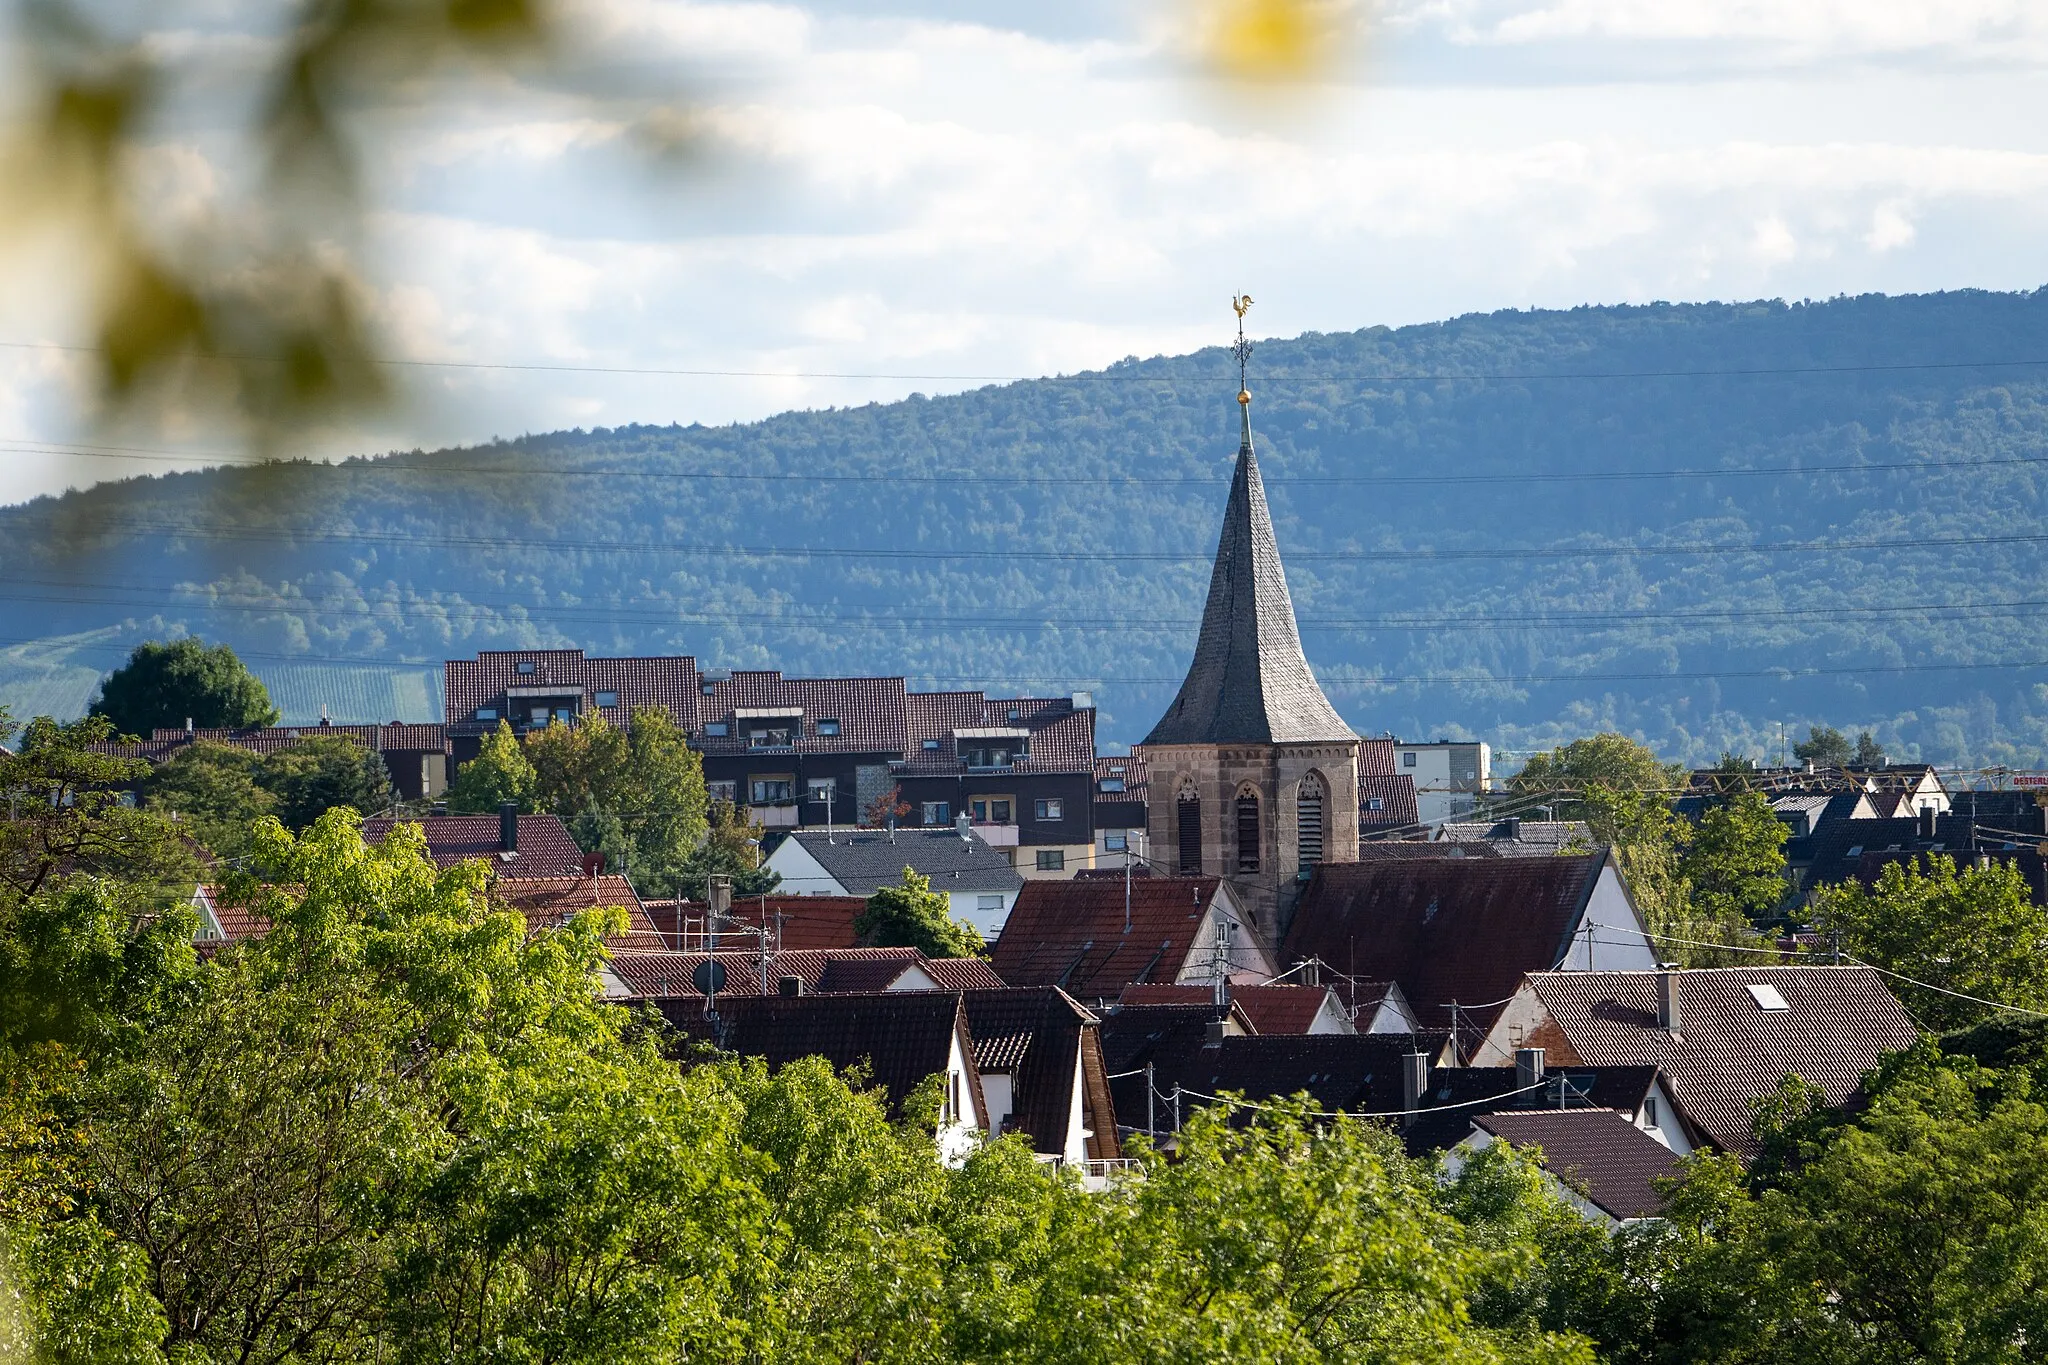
1869, 753
731, 845
1973, 930
912, 915
1651, 844
1604, 762
216, 792
646, 778
1734, 865
314, 776
1824, 747
166, 684
500, 772
66, 818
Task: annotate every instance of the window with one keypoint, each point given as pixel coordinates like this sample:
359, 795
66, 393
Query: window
1014, 713
716, 730
524, 667
1115, 841
930, 746
607, 699
823, 790
1112, 784
707, 688
486, 713
728, 792
1650, 1112
1408, 759
989, 905
1247, 832
540, 715
565, 714
1375, 803
771, 789
1052, 860
990, 757
1190, 830
1308, 821
937, 813
772, 737
1053, 809
828, 728
1767, 997
991, 810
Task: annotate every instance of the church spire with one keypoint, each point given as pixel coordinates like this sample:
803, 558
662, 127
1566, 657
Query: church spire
1249, 682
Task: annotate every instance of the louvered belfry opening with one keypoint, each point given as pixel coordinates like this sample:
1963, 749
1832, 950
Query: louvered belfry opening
1308, 815
1247, 832
1190, 814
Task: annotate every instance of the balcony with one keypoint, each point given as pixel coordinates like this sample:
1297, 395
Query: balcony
774, 817
996, 836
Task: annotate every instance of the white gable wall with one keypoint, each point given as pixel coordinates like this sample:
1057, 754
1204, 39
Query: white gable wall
1075, 1147
1608, 936
802, 875
1249, 962
998, 1097
1393, 1014
961, 1136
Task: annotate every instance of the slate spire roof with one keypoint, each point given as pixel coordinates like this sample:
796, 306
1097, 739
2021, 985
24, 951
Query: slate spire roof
1248, 683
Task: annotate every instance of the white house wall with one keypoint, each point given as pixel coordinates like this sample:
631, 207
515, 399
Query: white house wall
802, 875
1608, 936
965, 907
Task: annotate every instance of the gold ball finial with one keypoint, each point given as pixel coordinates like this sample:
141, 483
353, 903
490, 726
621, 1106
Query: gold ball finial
1244, 398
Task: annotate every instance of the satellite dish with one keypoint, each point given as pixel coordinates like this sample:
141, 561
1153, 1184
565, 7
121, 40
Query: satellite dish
709, 978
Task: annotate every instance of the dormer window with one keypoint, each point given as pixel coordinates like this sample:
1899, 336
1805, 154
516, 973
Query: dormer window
828, 729
1112, 784
486, 713
716, 730
1014, 714
771, 737
524, 667
707, 688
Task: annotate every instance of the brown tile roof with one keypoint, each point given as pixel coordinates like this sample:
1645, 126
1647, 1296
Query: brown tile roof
1729, 1051
1597, 1152
1349, 1072
1271, 1009
1036, 1035
1071, 933
963, 974
237, 922
667, 682
1445, 929
1376, 759
548, 902
900, 1037
1062, 738
545, 846
827, 971
870, 712
1516, 838
1130, 769
1135, 1034
1458, 1094
1382, 850
1395, 793
803, 922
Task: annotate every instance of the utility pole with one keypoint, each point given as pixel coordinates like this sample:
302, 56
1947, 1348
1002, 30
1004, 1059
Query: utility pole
1151, 1120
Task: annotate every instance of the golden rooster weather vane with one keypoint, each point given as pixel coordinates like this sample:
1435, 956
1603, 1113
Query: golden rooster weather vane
1243, 349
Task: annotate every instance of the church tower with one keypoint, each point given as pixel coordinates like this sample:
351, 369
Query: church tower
1253, 774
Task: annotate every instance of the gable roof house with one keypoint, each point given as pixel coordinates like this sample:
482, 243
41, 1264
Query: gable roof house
977, 880
1515, 837
1269, 1009
1093, 936
1039, 1052
1722, 1038
1458, 934
1594, 1159
638, 973
1857, 850
899, 1038
515, 845
794, 923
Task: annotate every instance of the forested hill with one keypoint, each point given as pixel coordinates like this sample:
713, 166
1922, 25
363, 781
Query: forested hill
1686, 522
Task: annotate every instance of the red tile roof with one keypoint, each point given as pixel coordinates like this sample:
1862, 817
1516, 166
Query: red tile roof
671, 683
1396, 796
545, 846
1729, 1051
827, 971
1271, 1009
1062, 738
1597, 1152
794, 923
1133, 771
963, 974
870, 712
1071, 933
549, 902
1376, 758
1446, 929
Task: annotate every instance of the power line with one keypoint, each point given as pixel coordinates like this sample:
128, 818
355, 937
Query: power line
1110, 377
1681, 549
385, 465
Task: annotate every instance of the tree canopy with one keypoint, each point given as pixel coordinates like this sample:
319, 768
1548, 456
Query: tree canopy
912, 915
167, 684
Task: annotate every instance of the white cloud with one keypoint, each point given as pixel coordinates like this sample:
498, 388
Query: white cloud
917, 197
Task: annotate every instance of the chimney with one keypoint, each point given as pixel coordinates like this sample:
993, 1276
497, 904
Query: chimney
188, 727
1514, 827
438, 808
1414, 1079
508, 827
720, 893
1214, 1034
1667, 1002
1084, 701
1927, 822
965, 826
1528, 1070
790, 985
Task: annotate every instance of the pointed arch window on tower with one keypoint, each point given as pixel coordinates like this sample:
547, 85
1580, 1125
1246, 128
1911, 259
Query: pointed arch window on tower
1189, 811
1308, 816
1247, 831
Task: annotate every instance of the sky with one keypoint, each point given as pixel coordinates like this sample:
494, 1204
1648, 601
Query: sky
891, 196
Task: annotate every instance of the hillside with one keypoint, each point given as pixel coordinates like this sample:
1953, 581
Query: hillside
1517, 527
